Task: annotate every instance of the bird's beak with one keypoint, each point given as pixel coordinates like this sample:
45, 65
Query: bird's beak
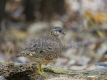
63, 33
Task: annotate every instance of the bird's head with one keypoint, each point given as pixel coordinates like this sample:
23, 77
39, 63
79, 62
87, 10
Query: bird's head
56, 31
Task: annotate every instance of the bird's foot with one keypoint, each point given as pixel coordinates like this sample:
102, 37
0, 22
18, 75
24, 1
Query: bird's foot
42, 73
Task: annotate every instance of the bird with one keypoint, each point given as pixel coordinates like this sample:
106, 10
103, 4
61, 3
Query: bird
45, 49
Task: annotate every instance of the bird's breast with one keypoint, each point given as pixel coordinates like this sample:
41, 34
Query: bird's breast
41, 60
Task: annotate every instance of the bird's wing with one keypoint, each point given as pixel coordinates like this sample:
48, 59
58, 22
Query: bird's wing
46, 46
42, 47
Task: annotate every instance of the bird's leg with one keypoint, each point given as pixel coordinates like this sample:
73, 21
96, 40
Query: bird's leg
40, 68
39, 71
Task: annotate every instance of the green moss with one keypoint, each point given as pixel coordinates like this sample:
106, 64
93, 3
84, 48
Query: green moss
76, 74
16, 70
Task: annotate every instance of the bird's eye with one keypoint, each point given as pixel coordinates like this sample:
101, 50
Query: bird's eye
60, 30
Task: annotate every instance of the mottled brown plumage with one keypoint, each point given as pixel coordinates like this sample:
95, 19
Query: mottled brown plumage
45, 49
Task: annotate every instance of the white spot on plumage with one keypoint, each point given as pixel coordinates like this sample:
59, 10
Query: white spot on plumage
31, 53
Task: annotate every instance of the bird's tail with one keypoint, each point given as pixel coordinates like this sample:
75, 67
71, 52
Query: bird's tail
21, 54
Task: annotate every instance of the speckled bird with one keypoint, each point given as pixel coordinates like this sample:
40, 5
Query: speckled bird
45, 49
